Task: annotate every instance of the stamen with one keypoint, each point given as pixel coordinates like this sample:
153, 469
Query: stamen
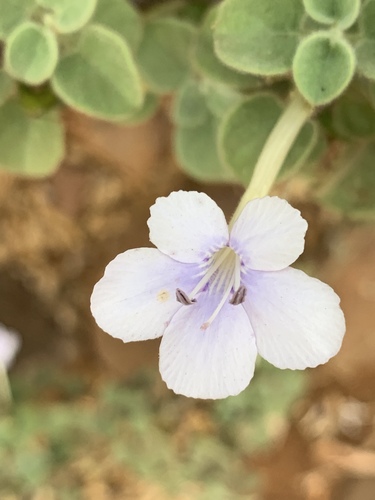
219, 307
239, 296
221, 278
214, 266
223, 274
183, 298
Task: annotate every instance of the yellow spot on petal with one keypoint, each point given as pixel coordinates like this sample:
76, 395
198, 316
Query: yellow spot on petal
163, 296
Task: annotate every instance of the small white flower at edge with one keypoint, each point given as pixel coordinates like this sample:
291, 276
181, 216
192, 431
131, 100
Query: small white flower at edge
219, 297
10, 343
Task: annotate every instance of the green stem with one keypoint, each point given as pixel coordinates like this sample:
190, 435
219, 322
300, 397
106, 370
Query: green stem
5, 391
275, 150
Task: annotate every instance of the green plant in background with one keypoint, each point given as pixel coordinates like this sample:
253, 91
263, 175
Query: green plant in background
197, 110
230, 70
81, 52
229, 67
324, 49
146, 434
257, 116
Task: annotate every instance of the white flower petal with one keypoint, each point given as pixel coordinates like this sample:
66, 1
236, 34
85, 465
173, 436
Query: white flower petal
269, 234
296, 319
136, 297
10, 343
187, 226
212, 363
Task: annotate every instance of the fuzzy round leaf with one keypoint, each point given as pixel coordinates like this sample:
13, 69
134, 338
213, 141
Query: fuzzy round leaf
189, 109
31, 53
13, 13
258, 37
32, 146
341, 12
365, 51
196, 151
220, 98
121, 17
323, 67
207, 62
367, 19
163, 53
67, 16
353, 117
245, 129
100, 77
7, 86
351, 192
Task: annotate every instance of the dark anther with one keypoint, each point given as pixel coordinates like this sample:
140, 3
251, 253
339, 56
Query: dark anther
239, 296
183, 298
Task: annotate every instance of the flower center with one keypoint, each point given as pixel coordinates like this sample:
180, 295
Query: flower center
223, 277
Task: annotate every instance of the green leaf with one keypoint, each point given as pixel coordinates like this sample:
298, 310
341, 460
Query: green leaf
7, 87
99, 78
365, 51
220, 98
340, 12
323, 67
189, 109
207, 62
13, 13
258, 37
196, 151
32, 146
31, 53
121, 17
353, 117
351, 192
67, 16
196, 117
367, 19
163, 53
245, 129
150, 105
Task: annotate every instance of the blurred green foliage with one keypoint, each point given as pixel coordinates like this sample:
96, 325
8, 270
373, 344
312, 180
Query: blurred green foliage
333, 12
259, 113
109, 60
180, 444
20, 61
99, 77
351, 189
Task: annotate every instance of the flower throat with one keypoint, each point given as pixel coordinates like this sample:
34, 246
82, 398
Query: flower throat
222, 276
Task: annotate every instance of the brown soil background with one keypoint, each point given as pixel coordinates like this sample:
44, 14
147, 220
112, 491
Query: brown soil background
57, 235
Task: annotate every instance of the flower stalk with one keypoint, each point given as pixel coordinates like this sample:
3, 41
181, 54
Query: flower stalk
275, 150
5, 391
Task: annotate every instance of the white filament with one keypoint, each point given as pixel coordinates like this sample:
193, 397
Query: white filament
223, 274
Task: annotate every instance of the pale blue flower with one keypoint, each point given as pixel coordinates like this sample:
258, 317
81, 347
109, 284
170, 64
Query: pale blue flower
220, 296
